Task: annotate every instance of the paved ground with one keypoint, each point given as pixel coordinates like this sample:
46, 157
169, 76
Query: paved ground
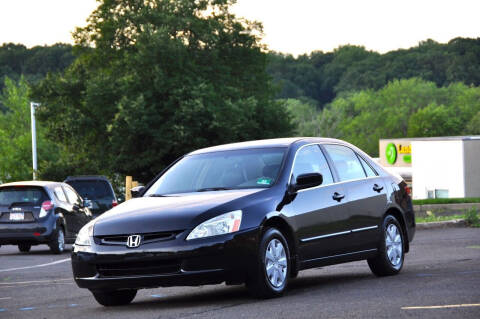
443, 269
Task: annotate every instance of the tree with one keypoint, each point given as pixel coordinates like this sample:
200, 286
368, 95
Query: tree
15, 134
404, 108
156, 79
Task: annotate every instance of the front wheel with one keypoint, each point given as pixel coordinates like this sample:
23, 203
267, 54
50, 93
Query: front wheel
273, 266
57, 243
389, 260
114, 298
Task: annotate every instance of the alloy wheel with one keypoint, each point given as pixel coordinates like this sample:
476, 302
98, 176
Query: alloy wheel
276, 263
394, 245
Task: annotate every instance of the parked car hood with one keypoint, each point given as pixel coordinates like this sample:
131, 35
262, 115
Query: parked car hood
159, 214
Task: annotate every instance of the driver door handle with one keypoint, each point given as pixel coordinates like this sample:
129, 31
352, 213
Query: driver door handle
377, 188
337, 196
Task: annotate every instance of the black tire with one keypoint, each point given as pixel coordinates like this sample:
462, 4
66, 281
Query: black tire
382, 264
114, 298
24, 248
259, 282
55, 244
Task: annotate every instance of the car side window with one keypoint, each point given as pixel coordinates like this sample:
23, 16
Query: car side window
60, 194
310, 159
346, 162
370, 172
72, 196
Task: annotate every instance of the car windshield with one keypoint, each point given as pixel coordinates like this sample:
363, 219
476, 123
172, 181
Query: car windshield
248, 168
22, 194
92, 189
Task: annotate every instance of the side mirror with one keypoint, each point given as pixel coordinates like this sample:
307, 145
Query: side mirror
308, 180
87, 203
137, 191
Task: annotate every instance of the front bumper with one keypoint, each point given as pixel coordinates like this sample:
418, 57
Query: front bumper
170, 263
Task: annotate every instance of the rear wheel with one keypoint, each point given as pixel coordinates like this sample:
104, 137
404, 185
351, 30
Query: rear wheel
24, 248
389, 260
114, 298
57, 243
273, 266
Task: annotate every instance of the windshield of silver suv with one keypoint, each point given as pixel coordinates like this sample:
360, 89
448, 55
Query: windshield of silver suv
238, 169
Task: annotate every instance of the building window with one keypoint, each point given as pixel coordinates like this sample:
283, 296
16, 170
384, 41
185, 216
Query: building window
430, 194
441, 193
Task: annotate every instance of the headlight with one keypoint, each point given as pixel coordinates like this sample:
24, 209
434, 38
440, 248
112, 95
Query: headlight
84, 235
223, 224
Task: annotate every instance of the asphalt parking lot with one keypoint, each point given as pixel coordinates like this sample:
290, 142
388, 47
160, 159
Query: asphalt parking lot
440, 279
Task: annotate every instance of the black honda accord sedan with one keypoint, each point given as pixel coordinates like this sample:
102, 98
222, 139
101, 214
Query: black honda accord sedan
254, 212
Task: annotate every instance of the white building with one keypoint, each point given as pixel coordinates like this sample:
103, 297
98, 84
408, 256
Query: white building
441, 167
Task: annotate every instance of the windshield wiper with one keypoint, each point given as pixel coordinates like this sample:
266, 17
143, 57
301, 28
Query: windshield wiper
156, 195
208, 189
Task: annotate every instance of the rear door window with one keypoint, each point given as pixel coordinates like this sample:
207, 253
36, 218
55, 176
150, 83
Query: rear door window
72, 196
60, 194
20, 194
92, 189
346, 162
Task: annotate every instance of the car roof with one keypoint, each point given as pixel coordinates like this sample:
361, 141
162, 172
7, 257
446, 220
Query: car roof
86, 177
32, 183
277, 142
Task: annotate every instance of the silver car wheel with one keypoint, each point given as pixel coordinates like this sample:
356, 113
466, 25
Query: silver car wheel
61, 240
394, 245
276, 263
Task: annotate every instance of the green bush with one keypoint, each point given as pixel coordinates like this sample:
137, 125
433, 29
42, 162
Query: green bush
445, 201
472, 218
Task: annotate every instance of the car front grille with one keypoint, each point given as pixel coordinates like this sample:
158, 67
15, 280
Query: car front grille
143, 268
121, 240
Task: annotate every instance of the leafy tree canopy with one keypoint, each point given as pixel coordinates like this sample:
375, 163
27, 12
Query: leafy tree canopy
16, 135
156, 79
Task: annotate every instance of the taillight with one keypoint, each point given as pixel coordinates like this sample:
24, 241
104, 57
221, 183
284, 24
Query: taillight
114, 203
46, 207
408, 190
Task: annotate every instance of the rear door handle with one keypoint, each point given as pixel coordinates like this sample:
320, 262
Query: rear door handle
337, 196
377, 188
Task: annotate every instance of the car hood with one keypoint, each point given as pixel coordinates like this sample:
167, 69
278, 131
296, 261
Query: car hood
162, 214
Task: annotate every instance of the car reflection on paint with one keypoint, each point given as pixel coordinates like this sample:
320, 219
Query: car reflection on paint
254, 212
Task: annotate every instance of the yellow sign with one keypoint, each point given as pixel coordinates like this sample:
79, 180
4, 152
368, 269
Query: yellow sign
404, 149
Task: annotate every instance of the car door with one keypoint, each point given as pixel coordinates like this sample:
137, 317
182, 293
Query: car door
319, 213
366, 193
66, 209
79, 216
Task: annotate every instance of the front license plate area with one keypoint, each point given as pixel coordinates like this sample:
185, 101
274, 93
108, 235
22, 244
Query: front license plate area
17, 216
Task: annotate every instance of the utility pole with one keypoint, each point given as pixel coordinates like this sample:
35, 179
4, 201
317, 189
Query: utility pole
33, 105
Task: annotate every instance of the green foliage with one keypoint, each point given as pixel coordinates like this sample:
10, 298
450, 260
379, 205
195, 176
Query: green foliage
304, 116
412, 107
433, 218
164, 78
15, 134
445, 201
323, 76
472, 217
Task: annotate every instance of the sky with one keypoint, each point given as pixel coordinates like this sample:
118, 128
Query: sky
290, 26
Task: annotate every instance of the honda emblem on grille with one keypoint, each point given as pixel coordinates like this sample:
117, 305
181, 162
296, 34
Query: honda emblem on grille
134, 241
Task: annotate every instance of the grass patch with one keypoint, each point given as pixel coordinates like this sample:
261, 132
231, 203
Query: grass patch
432, 218
471, 216
446, 201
